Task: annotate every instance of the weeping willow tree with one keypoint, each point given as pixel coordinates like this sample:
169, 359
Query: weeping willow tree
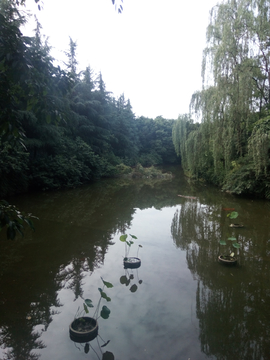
179, 135
259, 146
234, 97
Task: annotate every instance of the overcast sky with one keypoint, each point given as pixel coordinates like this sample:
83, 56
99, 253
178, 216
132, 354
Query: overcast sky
152, 52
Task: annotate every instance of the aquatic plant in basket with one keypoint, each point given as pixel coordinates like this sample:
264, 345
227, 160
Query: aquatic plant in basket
85, 328
130, 262
229, 259
233, 215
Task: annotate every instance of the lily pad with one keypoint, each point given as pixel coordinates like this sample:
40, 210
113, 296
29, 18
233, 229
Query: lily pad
236, 245
231, 238
233, 215
123, 238
222, 242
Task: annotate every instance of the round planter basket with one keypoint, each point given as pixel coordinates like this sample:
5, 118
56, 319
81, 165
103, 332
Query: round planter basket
227, 259
83, 329
132, 263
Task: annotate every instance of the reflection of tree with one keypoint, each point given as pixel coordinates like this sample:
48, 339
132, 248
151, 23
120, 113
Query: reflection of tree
71, 240
232, 303
71, 276
20, 350
194, 223
17, 332
233, 323
29, 291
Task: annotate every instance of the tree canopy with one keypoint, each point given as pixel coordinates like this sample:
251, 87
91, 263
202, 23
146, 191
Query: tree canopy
61, 127
230, 146
64, 118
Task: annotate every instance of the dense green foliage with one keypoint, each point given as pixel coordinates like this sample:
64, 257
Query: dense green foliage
230, 146
61, 127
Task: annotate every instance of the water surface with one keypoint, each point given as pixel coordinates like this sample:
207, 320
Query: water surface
180, 304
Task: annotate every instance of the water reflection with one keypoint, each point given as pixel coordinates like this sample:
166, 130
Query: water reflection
32, 276
130, 279
231, 303
97, 349
29, 289
72, 245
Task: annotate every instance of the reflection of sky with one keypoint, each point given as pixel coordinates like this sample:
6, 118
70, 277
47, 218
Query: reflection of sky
158, 320
161, 319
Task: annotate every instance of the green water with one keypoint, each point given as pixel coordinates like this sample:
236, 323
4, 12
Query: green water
180, 304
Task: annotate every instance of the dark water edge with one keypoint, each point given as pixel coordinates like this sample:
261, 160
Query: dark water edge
185, 305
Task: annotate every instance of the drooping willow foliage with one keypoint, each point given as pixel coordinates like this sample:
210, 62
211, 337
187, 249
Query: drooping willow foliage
233, 101
259, 144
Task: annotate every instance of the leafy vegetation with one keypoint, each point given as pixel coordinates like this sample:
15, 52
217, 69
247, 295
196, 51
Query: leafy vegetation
13, 219
105, 311
230, 145
128, 244
61, 127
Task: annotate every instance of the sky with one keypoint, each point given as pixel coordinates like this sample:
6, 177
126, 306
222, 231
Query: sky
151, 53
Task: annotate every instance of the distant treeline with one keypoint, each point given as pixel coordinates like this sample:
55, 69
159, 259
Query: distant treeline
61, 127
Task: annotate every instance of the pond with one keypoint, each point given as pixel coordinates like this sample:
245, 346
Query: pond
180, 304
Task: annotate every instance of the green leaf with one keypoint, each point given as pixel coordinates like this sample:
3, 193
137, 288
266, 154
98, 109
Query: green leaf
108, 356
133, 236
106, 343
233, 215
232, 238
89, 303
104, 295
85, 308
123, 238
222, 242
123, 279
86, 348
236, 245
11, 233
107, 284
105, 312
133, 288
29, 223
